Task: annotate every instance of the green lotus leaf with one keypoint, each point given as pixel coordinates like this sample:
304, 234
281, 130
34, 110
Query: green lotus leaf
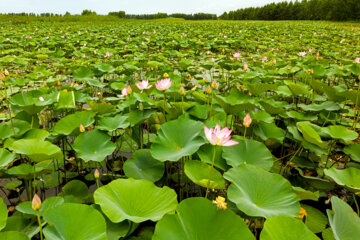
310, 134
101, 108
349, 177
71, 221
328, 234
6, 158
206, 153
170, 145
49, 203
354, 151
38, 134
341, 132
20, 127
285, 228
75, 191
269, 131
249, 152
65, 100
3, 214
135, 200
344, 222
37, 150
83, 74
306, 194
315, 220
93, 146
143, 166
113, 123
198, 172
199, 219
12, 235
70, 125
257, 192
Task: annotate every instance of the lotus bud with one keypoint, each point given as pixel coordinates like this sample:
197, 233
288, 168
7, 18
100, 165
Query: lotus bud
82, 129
274, 61
245, 67
2, 77
208, 90
182, 90
6, 72
214, 84
36, 203
247, 120
129, 90
96, 174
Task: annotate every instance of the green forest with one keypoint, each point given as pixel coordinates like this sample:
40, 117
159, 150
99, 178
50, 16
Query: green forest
335, 10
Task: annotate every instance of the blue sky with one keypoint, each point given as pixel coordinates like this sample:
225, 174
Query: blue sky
129, 6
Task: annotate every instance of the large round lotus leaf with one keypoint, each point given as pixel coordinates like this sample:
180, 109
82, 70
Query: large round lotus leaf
206, 153
65, 100
70, 125
93, 146
20, 128
177, 139
310, 134
3, 214
343, 220
198, 172
257, 192
71, 221
135, 200
143, 166
36, 150
49, 203
199, 219
38, 134
6, 157
113, 123
354, 151
341, 132
13, 235
315, 220
30, 101
269, 131
349, 177
75, 191
249, 152
286, 228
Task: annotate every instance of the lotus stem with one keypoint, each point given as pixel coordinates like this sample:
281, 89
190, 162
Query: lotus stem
9, 109
210, 172
40, 225
245, 133
164, 106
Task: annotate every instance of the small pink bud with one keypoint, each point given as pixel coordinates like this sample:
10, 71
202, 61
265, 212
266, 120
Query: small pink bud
247, 120
82, 129
245, 67
36, 203
208, 90
96, 174
182, 90
214, 84
6, 72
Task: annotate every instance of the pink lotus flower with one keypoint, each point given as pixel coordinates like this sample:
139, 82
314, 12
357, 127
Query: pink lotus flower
144, 84
265, 59
126, 91
36, 203
310, 50
163, 85
247, 120
219, 136
274, 61
245, 67
302, 54
107, 54
237, 55
357, 60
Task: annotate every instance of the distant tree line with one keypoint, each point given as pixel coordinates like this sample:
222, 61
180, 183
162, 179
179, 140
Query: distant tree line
335, 10
196, 16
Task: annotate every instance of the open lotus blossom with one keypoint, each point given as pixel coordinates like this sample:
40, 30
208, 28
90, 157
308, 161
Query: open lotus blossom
219, 136
247, 120
357, 60
237, 55
144, 84
302, 54
163, 84
126, 91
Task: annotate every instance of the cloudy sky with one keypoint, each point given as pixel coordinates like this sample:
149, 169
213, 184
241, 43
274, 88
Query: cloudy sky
129, 6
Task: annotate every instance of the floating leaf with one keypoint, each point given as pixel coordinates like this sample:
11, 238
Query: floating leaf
198, 172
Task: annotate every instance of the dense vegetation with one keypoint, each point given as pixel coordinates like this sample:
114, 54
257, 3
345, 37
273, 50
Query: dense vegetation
179, 130
336, 10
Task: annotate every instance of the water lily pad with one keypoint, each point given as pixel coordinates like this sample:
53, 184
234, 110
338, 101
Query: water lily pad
170, 145
143, 166
285, 228
135, 200
198, 172
341, 132
93, 146
11, 235
249, 152
6, 157
70, 124
344, 222
354, 151
349, 177
315, 220
37, 150
3, 214
199, 219
113, 123
76, 222
257, 192
310, 134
